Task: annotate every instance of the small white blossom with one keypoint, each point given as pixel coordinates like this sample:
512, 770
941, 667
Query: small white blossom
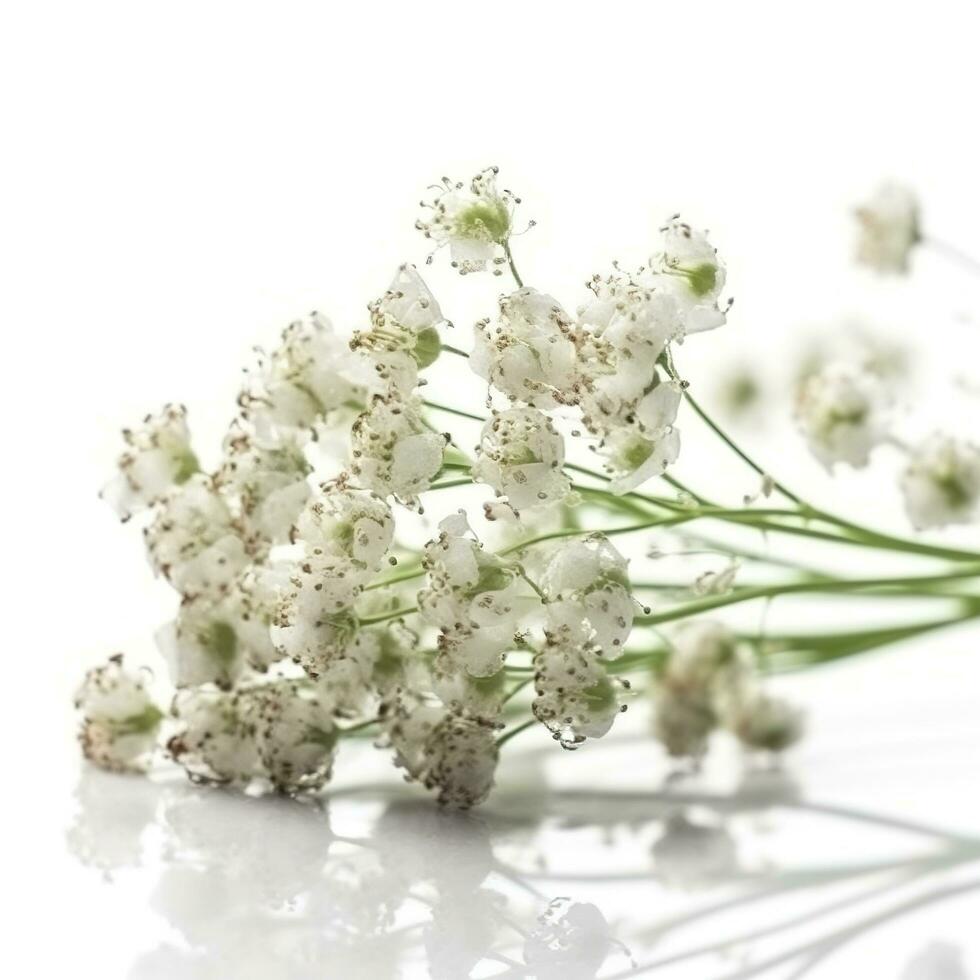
475, 221
888, 229
529, 353
450, 751
716, 583
476, 601
482, 696
404, 334
840, 411
119, 719
158, 456
575, 698
705, 675
294, 734
194, 540
691, 265
201, 645
521, 455
215, 742
632, 458
941, 482
310, 375
766, 723
341, 521
589, 601
393, 453
314, 624
268, 477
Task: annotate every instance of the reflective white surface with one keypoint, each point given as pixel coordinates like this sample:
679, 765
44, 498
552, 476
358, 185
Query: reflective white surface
859, 858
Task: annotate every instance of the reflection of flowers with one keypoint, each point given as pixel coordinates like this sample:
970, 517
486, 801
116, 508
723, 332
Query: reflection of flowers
693, 855
570, 942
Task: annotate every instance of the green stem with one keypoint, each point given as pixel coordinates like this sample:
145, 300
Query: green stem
453, 411
769, 592
513, 268
455, 350
395, 614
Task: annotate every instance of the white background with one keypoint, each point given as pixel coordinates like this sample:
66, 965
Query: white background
178, 181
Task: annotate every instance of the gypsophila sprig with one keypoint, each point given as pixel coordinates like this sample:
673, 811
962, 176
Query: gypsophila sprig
327, 584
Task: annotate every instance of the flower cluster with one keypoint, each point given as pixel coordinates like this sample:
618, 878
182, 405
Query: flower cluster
708, 682
889, 229
305, 614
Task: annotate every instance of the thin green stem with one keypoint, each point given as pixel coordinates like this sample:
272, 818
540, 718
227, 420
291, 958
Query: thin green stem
395, 614
518, 688
455, 350
768, 592
513, 267
453, 411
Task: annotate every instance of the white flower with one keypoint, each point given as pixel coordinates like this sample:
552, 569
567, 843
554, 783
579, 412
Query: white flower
295, 736
314, 623
158, 456
201, 645
575, 698
521, 455
404, 333
269, 479
119, 720
476, 601
392, 451
589, 602
474, 221
888, 229
717, 583
530, 352
452, 751
761, 721
339, 520
461, 758
633, 457
215, 742
691, 265
941, 482
255, 599
311, 374
483, 696
193, 540
840, 411
705, 677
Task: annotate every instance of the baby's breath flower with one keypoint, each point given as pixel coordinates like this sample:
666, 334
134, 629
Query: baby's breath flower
521, 455
633, 457
449, 750
393, 453
461, 757
705, 675
255, 600
268, 477
475, 221
294, 734
201, 645
716, 583
840, 411
339, 520
763, 722
119, 720
589, 602
473, 597
530, 352
314, 623
941, 482
888, 229
310, 375
690, 264
404, 333
575, 698
215, 742
482, 696
158, 456
194, 540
